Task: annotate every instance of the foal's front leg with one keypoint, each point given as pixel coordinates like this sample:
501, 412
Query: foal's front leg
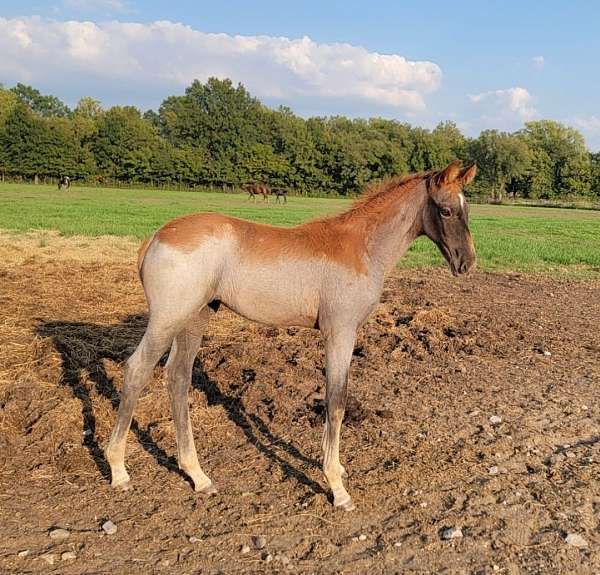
338, 352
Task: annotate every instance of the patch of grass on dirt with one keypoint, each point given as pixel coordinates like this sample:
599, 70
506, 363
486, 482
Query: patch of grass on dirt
516, 238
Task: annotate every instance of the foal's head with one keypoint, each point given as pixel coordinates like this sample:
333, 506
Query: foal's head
446, 216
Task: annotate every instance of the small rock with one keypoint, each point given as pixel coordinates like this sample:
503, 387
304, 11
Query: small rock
59, 534
283, 559
109, 527
87, 432
48, 558
493, 470
68, 555
259, 542
23, 553
576, 540
165, 563
547, 353
452, 533
245, 549
398, 544
584, 407
267, 557
194, 539
495, 420
496, 567
362, 537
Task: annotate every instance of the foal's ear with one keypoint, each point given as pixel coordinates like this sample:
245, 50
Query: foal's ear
448, 174
467, 175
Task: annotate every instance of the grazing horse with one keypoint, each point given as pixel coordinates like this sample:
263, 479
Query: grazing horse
256, 190
64, 183
326, 274
279, 193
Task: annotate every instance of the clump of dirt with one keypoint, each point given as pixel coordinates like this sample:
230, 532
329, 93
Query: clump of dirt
437, 360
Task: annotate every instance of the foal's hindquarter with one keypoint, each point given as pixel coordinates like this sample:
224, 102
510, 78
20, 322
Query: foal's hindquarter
323, 274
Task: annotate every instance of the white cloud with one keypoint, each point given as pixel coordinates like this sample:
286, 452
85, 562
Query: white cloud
165, 55
590, 124
512, 102
538, 62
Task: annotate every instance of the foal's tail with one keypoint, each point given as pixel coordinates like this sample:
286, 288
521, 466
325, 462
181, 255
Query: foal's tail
142, 254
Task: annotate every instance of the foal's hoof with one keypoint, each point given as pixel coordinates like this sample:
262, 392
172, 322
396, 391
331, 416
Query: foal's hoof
345, 505
208, 489
123, 485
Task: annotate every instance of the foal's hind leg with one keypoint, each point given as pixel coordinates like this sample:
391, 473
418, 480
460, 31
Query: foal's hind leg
179, 370
338, 350
138, 371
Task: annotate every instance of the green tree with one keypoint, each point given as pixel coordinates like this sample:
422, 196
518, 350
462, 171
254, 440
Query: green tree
561, 152
217, 116
32, 146
8, 101
595, 174
46, 106
501, 158
124, 144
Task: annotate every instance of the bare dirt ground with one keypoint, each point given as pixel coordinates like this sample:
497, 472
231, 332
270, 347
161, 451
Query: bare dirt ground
433, 364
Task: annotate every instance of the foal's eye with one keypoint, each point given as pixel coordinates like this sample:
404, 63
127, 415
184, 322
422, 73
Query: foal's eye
445, 212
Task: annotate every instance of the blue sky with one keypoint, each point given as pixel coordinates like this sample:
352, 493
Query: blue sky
481, 64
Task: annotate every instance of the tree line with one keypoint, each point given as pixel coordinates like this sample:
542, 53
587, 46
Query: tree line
217, 134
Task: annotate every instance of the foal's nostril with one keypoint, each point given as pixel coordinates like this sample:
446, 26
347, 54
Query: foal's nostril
463, 268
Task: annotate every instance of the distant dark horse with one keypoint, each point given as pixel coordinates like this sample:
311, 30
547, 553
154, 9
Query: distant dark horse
279, 193
257, 190
64, 183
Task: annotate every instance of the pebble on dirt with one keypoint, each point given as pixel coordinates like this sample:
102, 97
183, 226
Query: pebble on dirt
495, 420
194, 539
23, 553
283, 559
245, 549
68, 555
493, 470
576, 540
452, 533
109, 527
259, 541
48, 558
58, 534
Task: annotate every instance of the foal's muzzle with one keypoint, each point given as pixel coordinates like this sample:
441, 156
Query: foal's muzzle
462, 264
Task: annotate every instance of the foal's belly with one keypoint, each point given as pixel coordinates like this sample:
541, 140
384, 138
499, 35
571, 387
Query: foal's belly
273, 294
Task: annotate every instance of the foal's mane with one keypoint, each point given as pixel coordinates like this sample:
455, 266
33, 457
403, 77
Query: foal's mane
377, 197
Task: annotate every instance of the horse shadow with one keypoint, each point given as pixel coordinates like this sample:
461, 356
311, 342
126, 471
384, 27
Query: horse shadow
84, 347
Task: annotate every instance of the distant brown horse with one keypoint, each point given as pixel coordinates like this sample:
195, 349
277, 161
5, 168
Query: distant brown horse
255, 190
325, 274
279, 193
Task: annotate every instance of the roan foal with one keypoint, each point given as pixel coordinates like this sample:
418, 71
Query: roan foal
325, 274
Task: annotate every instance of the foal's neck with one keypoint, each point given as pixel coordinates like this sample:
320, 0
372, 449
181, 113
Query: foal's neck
397, 227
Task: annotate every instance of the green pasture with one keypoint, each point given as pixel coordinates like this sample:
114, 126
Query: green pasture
524, 239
